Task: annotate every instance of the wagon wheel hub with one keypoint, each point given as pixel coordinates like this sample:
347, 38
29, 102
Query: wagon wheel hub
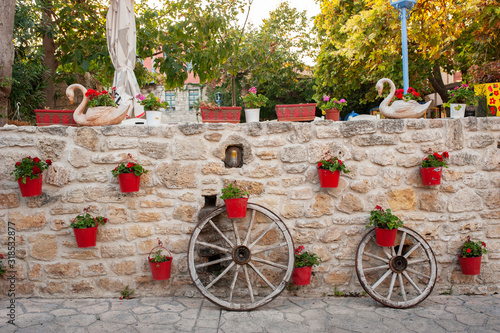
241, 254
398, 264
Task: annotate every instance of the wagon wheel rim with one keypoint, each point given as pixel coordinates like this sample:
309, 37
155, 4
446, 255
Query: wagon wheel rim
245, 256
400, 276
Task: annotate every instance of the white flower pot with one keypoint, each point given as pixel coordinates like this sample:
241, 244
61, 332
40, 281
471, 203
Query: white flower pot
457, 110
153, 118
252, 115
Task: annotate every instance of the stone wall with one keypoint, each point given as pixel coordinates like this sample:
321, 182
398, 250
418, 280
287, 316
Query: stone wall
185, 163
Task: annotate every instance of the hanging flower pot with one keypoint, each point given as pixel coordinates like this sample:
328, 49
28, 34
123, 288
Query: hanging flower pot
160, 264
431, 176
129, 182
301, 276
470, 266
129, 174
386, 237
236, 200
32, 187
28, 173
85, 228
86, 237
328, 179
236, 207
329, 169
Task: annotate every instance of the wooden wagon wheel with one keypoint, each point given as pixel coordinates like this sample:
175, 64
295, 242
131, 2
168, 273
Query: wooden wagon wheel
410, 263
244, 263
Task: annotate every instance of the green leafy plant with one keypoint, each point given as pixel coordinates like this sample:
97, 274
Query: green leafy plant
332, 103
332, 163
127, 293
97, 98
472, 249
3, 269
384, 219
151, 102
233, 191
130, 167
463, 94
86, 220
254, 100
30, 168
435, 160
159, 257
305, 259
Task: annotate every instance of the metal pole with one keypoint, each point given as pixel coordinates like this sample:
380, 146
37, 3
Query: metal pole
404, 41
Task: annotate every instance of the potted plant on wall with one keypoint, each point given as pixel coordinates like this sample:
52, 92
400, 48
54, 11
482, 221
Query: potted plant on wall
432, 167
386, 226
331, 107
129, 175
253, 103
459, 98
28, 174
85, 228
304, 261
160, 264
211, 113
236, 199
470, 256
329, 169
152, 106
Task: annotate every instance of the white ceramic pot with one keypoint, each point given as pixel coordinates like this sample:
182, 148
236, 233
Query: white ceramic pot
252, 115
153, 118
457, 110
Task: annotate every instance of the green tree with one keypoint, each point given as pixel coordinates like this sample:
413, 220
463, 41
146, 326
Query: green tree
7, 9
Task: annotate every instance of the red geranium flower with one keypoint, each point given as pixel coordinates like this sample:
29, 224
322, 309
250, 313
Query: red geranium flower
49, 162
18, 163
468, 250
36, 170
378, 207
36, 160
446, 155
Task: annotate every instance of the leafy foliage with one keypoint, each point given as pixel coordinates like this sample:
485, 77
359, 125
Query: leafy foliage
461, 94
158, 257
233, 191
97, 98
305, 259
254, 100
86, 220
127, 293
30, 168
332, 163
151, 102
435, 160
130, 167
472, 249
384, 219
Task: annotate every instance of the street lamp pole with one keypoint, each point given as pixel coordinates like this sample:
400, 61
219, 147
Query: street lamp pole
404, 7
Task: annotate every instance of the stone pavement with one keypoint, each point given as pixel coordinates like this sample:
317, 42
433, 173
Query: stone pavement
284, 314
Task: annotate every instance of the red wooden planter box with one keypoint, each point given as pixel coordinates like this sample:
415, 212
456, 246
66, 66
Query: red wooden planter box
55, 117
223, 114
296, 112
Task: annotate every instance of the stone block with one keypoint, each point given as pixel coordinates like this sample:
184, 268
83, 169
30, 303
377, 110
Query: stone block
191, 129
94, 270
292, 181
104, 194
107, 234
117, 215
433, 202
332, 234
376, 140
292, 209
479, 141
337, 278
9, 200
360, 127
258, 170
35, 272
63, 271
144, 247
301, 133
304, 236
16, 141
293, 154
183, 149
267, 154
463, 158
322, 205
337, 191
493, 231
313, 224
215, 168
81, 254
111, 284
137, 231
124, 267
121, 143
492, 160
53, 288
465, 200
117, 250
148, 216
82, 287
327, 132
157, 149
278, 127
382, 157
35, 221
301, 193
59, 175
158, 203
253, 187
95, 175
393, 126
79, 158
270, 142
87, 137
214, 137
402, 199
51, 148
186, 213
491, 198
409, 161
363, 186
176, 175
350, 203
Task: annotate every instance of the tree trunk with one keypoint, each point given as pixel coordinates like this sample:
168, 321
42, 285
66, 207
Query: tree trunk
49, 58
233, 90
437, 83
7, 12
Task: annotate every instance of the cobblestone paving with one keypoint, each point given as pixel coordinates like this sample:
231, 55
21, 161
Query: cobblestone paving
284, 314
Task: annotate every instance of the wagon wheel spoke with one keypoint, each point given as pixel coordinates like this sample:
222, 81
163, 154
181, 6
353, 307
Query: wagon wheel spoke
270, 263
220, 275
261, 276
220, 233
213, 262
401, 284
213, 246
259, 246
234, 283
411, 264
250, 225
249, 285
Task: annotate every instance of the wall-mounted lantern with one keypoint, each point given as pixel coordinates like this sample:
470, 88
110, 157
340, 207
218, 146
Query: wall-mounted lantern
234, 157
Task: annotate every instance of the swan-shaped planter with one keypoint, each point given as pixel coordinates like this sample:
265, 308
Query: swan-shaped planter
98, 116
399, 109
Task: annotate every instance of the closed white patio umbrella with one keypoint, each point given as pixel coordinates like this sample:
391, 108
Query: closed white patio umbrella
121, 37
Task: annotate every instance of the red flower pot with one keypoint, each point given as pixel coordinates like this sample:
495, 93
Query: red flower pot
223, 114
301, 276
295, 112
332, 114
85, 237
236, 207
470, 266
32, 188
386, 237
161, 270
129, 182
431, 176
328, 179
